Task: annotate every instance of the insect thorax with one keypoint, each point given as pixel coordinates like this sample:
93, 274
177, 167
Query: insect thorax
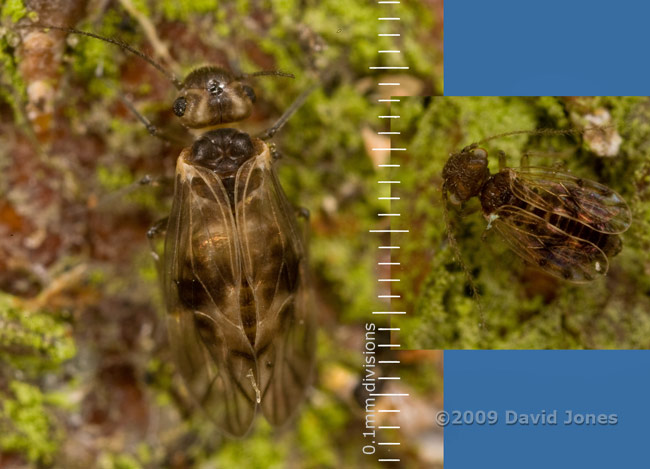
496, 192
224, 151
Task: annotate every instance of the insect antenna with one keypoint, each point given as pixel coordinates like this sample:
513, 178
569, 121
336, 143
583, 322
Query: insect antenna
576, 131
111, 40
456, 250
264, 73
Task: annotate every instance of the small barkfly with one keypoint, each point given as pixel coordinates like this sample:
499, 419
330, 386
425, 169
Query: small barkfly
233, 267
565, 225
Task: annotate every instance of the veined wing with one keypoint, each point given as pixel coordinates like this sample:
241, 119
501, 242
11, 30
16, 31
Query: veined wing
274, 263
547, 247
586, 201
202, 279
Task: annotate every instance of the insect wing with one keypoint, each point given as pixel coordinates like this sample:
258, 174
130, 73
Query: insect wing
547, 247
202, 275
274, 262
586, 201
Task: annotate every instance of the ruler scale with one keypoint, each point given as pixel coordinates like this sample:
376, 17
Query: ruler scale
380, 433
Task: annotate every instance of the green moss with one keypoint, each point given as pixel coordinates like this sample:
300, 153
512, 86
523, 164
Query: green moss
32, 341
142, 6
181, 10
315, 434
114, 178
259, 450
26, 424
13, 10
118, 461
345, 269
522, 309
12, 87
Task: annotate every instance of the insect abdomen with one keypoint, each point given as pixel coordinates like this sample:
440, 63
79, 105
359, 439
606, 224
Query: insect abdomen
248, 310
497, 192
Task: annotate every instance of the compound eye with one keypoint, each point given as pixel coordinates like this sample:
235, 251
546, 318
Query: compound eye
480, 153
179, 106
250, 93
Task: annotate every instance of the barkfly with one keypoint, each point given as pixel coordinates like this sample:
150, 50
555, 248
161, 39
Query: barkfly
233, 266
564, 225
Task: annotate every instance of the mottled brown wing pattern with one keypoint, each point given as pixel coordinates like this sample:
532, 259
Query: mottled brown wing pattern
202, 271
586, 201
547, 247
274, 265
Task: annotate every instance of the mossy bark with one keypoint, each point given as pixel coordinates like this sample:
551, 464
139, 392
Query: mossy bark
523, 307
72, 203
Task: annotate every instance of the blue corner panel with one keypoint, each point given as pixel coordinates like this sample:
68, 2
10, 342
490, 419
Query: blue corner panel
547, 409
549, 47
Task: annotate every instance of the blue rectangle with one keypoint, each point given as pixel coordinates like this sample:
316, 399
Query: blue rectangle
615, 384
553, 47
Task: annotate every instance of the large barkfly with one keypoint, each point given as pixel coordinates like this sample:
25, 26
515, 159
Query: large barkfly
565, 225
234, 265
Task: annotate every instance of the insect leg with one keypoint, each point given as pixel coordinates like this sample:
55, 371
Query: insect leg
302, 215
560, 166
300, 100
502, 160
155, 234
275, 153
152, 129
456, 250
525, 160
146, 180
303, 212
